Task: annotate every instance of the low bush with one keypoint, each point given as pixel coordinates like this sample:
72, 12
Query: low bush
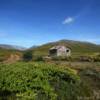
91, 72
40, 81
27, 56
38, 58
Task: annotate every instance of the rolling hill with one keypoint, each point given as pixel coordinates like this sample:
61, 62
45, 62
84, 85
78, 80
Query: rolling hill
77, 47
7, 51
13, 47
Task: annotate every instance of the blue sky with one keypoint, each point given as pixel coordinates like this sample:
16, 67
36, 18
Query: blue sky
35, 22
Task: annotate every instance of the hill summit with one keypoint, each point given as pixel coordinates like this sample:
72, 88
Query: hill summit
77, 47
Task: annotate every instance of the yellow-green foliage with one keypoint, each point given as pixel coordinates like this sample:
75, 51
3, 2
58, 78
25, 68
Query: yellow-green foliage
5, 54
40, 81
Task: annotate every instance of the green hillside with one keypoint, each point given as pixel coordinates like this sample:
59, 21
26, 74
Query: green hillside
77, 47
6, 53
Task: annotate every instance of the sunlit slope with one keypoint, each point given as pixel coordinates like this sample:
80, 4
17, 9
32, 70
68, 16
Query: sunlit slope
6, 53
77, 47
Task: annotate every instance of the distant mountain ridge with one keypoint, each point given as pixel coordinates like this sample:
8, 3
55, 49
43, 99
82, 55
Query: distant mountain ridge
76, 46
14, 47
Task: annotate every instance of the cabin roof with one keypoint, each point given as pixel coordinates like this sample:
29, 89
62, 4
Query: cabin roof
57, 47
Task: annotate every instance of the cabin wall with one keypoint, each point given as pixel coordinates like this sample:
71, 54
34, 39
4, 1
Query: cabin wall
60, 52
68, 53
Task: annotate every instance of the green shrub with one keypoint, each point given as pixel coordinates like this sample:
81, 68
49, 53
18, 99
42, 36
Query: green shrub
40, 81
91, 72
27, 56
38, 58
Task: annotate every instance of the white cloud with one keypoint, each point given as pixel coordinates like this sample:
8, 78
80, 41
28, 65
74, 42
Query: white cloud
68, 20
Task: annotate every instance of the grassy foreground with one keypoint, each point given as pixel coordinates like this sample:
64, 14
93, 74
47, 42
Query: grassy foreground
40, 81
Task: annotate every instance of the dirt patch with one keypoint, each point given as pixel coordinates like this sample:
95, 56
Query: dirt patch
13, 58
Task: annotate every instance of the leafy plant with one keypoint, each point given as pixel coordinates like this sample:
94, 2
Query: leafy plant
41, 81
27, 56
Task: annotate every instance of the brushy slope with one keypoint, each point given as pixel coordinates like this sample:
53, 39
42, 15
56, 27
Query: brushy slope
5, 54
40, 81
77, 47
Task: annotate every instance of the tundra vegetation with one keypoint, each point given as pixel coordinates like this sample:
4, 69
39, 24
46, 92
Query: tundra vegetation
36, 76
40, 81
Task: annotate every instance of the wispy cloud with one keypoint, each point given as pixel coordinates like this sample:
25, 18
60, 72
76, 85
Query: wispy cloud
68, 20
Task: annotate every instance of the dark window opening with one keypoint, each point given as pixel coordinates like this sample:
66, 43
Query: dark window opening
53, 52
67, 50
